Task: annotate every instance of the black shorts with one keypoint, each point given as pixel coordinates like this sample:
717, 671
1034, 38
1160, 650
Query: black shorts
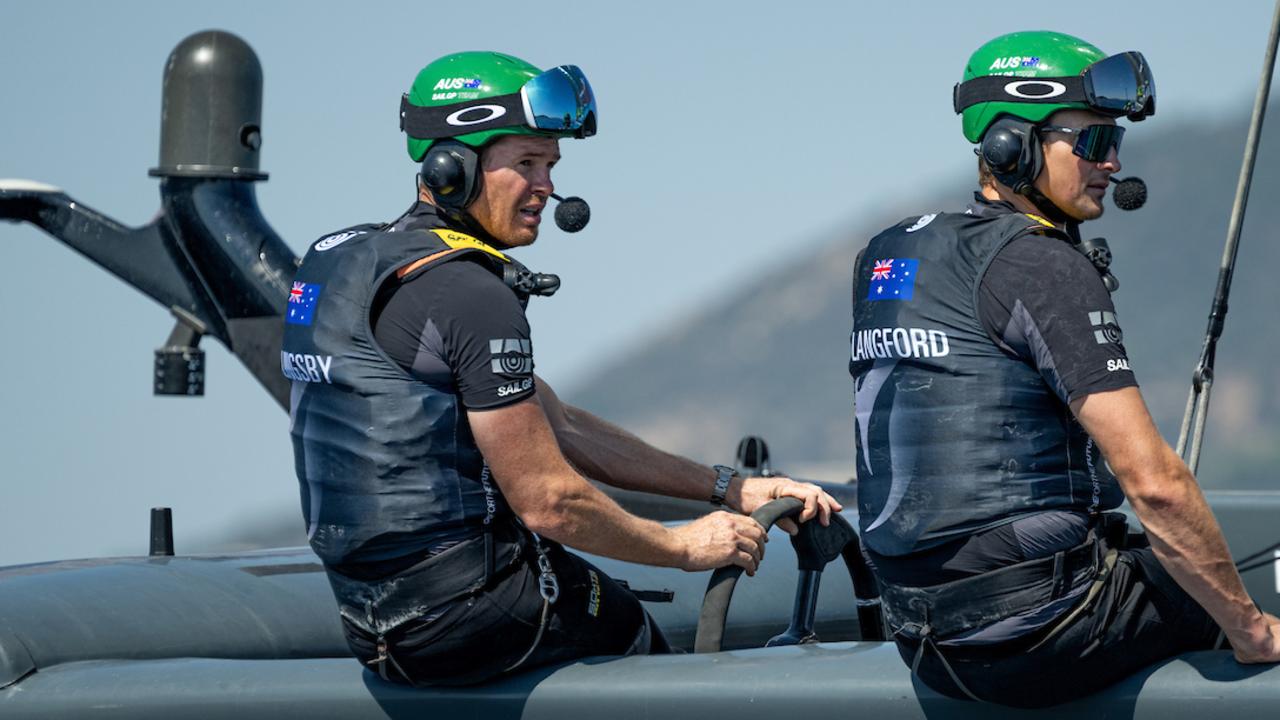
481, 637
1141, 617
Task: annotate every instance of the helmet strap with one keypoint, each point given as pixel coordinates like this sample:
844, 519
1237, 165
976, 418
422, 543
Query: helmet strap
448, 121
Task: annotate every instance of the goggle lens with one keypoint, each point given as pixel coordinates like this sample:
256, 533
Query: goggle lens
1121, 84
561, 100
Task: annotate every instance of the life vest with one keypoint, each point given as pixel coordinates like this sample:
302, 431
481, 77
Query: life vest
954, 435
386, 463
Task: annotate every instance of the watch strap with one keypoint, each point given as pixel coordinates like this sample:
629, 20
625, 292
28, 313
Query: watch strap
724, 474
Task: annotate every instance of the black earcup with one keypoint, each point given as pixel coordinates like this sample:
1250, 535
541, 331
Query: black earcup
1001, 149
1011, 148
450, 172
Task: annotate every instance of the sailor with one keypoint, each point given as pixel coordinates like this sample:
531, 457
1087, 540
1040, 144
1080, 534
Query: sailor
998, 418
439, 476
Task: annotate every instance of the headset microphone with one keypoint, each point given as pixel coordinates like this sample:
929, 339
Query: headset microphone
1130, 193
572, 213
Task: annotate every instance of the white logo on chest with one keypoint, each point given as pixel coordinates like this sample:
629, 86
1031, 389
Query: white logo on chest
924, 220
334, 241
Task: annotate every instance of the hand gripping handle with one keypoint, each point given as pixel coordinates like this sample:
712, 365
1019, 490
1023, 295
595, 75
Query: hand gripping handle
715, 605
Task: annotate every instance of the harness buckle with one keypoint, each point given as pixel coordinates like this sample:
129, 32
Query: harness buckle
548, 584
381, 659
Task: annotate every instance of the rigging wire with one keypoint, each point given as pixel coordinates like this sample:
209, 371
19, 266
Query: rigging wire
1197, 411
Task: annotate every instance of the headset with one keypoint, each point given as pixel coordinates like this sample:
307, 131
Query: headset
1011, 149
450, 170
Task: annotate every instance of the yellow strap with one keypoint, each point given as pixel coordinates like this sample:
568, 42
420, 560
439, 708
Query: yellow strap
1039, 219
458, 241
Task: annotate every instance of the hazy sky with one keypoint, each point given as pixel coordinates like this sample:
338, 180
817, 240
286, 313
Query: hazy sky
732, 135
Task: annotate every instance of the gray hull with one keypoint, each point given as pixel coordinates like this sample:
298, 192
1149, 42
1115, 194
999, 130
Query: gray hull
257, 636
853, 679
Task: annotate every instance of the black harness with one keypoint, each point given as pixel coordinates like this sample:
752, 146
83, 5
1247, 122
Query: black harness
937, 613
442, 579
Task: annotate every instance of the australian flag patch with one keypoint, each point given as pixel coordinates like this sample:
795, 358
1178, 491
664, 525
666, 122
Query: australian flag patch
302, 303
893, 279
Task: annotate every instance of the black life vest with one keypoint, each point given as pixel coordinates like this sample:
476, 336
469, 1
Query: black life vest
954, 436
386, 463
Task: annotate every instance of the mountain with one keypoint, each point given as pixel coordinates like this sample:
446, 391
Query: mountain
770, 358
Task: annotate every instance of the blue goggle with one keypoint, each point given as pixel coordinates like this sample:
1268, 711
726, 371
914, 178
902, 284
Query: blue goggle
559, 100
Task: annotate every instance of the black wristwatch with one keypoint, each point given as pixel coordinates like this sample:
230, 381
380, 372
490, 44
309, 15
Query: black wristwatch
724, 474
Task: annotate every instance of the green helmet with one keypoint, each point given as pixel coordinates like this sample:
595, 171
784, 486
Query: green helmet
469, 76
1032, 54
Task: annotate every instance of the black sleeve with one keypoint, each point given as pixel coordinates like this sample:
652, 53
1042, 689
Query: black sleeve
458, 327
1043, 301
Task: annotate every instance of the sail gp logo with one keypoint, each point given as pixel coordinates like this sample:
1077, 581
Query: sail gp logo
923, 221
518, 386
334, 241
512, 357
1106, 331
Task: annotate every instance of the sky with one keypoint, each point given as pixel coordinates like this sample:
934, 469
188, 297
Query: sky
733, 135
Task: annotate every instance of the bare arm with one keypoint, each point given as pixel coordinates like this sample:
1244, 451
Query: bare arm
554, 500
1183, 532
607, 453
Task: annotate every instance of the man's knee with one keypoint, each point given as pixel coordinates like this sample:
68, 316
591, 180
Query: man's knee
597, 614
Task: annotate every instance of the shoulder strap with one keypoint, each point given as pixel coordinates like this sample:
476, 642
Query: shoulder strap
1045, 227
1040, 220
455, 245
